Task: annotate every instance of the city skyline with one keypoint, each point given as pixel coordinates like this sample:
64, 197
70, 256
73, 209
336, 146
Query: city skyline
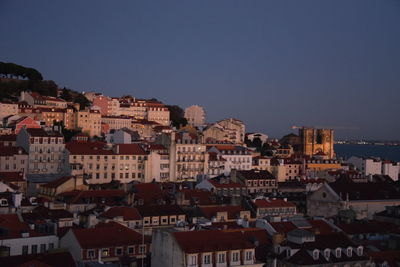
269, 64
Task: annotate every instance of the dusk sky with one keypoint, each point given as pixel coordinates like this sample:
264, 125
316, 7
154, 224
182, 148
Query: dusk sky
272, 64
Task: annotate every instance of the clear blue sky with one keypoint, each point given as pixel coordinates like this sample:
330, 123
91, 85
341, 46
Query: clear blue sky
273, 64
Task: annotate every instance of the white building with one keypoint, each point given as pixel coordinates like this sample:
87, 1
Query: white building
13, 159
236, 157
195, 115
20, 239
102, 163
45, 150
391, 169
367, 165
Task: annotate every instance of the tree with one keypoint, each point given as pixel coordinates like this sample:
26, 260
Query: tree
177, 116
66, 94
82, 100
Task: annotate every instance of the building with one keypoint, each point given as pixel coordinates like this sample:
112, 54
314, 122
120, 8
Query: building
89, 122
45, 150
274, 207
8, 108
315, 141
256, 181
190, 156
225, 213
151, 110
127, 216
392, 169
107, 243
365, 199
228, 130
304, 248
236, 157
171, 248
13, 159
117, 122
195, 115
36, 100
161, 215
102, 163
17, 237
223, 186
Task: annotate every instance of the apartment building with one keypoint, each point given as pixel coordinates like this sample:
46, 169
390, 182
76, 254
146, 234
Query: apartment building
89, 121
117, 122
13, 159
45, 150
206, 248
236, 157
190, 156
228, 130
256, 181
102, 163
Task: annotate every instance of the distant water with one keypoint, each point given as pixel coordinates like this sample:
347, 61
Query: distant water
383, 152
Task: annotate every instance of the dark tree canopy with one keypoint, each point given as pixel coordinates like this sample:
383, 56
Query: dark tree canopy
177, 116
12, 70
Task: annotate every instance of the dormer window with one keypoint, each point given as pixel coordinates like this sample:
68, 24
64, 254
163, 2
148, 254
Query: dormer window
316, 254
327, 253
349, 251
360, 251
338, 253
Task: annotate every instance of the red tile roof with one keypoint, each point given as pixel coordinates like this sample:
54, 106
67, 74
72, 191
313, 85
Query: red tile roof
88, 148
273, 203
211, 240
39, 132
130, 149
59, 259
56, 183
127, 213
255, 174
12, 227
108, 235
77, 196
12, 176
233, 211
9, 151
8, 137
229, 184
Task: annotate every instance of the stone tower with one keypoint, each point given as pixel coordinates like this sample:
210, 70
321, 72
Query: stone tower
317, 140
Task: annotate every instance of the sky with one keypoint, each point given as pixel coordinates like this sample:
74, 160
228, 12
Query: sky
272, 64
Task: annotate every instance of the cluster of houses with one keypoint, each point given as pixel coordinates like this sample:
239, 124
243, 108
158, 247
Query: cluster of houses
131, 190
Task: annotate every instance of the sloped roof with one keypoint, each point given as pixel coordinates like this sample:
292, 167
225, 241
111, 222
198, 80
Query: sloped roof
127, 213
110, 234
211, 240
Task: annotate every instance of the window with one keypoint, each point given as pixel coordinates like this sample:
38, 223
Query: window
25, 250
207, 259
118, 251
131, 250
221, 258
249, 255
34, 249
90, 253
105, 252
142, 249
235, 256
42, 248
51, 246
193, 260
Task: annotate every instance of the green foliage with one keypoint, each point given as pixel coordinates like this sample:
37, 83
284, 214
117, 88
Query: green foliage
177, 116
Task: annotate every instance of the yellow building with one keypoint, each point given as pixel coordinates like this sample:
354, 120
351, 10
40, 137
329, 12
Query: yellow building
89, 121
